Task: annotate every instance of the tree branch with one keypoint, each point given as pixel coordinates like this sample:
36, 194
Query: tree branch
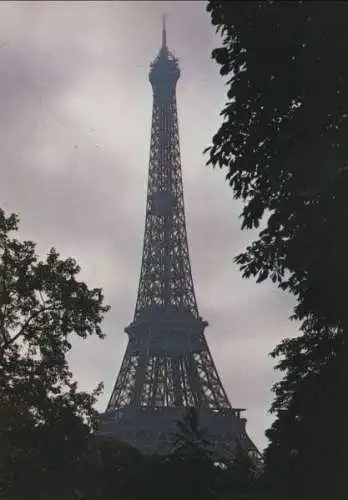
10, 341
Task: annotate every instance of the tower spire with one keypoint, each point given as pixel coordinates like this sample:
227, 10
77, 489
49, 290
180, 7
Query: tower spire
164, 31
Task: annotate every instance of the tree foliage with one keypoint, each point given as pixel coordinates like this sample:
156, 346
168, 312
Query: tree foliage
283, 145
44, 418
195, 471
191, 459
307, 451
283, 142
109, 468
190, 441
112, 469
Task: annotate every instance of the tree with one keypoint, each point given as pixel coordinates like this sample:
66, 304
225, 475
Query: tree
43, 415
195, 470
111, 468
307, 450
190, 442
239, 478
190, 465
283, 143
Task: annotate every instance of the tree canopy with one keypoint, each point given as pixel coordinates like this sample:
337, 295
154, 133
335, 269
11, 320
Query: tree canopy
44, 418
282, 143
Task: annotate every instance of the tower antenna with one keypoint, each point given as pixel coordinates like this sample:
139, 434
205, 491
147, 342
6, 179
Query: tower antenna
164, 32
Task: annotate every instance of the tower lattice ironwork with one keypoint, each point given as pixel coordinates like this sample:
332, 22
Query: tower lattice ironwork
168, 366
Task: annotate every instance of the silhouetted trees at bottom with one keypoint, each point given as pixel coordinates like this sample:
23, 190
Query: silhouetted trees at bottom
189, 471
74, 465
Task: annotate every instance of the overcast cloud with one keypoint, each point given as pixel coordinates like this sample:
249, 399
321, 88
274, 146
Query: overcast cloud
74, 141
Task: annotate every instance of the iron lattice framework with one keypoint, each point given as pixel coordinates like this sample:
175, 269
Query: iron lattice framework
167, 366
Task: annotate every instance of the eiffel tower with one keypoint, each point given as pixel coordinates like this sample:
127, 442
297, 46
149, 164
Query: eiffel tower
167, 366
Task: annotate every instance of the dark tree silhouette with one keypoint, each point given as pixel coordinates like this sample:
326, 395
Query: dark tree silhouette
45, 420
283, 143
193, 470
112, 469
190, 465
190, 441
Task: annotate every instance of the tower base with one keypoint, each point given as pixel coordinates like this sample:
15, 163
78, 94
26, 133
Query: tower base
151, 430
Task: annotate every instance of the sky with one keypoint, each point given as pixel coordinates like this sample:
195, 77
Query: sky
75, 124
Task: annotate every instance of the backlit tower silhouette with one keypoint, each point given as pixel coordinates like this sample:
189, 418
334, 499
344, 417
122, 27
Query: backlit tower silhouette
167, 366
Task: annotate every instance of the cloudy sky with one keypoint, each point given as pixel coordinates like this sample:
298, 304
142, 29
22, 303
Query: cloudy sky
75, 111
